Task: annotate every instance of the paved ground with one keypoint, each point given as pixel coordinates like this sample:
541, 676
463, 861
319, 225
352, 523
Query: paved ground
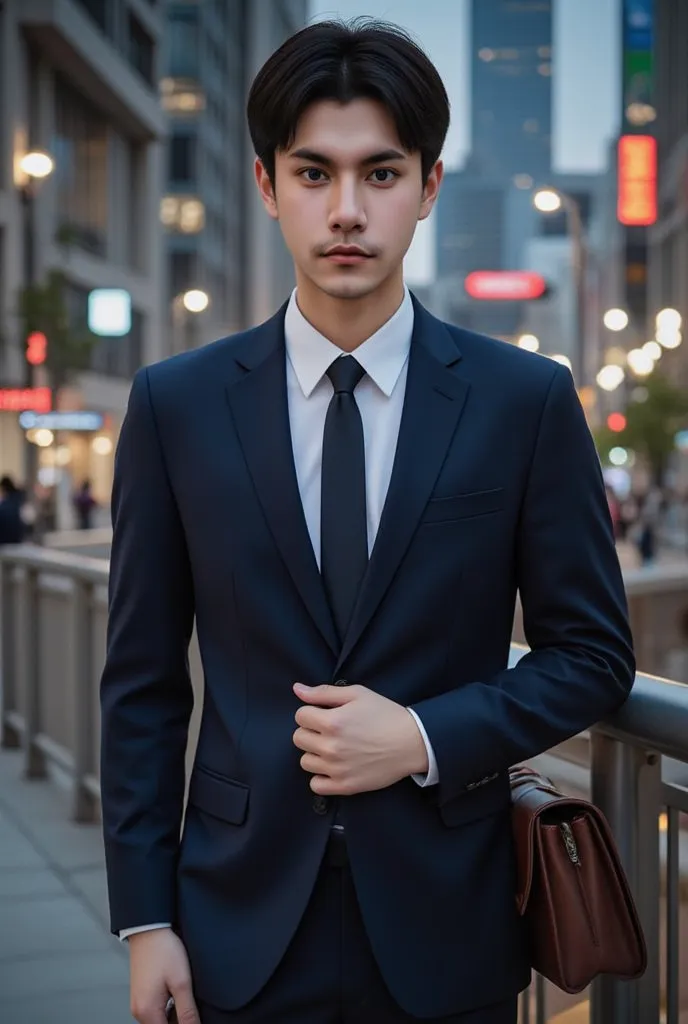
58, 964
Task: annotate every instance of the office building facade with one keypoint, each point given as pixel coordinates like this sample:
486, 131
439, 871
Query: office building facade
79, 81
218, 238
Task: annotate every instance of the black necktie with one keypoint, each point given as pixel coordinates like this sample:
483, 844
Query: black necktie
343, 524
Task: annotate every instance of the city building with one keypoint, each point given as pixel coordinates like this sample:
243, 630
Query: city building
79, 83
511, 87
218, 239
668, 237
484, 210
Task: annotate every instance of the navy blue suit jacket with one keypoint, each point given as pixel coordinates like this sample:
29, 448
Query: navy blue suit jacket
496, 488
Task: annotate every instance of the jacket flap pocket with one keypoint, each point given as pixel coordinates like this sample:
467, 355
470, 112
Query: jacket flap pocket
222, 797
484, 798
461, 506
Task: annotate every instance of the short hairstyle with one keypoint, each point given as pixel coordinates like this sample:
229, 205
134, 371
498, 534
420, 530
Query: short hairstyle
344, 61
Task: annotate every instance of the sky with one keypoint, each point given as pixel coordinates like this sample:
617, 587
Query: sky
585, 81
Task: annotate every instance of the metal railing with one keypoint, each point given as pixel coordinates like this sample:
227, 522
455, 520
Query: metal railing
53, 612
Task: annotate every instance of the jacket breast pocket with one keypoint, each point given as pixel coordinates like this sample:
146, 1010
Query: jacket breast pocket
463, 506
480, 801
218, 795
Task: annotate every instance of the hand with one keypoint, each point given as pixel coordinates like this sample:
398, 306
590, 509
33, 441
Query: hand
355, 740
159, 968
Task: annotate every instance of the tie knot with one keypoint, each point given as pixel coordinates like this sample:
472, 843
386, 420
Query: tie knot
345, 373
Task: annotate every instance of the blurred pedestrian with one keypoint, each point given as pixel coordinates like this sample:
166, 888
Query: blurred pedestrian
347, 852
12, 527
84, 506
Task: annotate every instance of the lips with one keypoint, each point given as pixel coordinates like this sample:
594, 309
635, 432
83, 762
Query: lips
348, 251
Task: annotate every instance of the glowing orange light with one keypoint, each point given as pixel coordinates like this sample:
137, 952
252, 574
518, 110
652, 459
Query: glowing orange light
637, 180
616, 421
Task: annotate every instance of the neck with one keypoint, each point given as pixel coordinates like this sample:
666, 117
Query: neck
347, 323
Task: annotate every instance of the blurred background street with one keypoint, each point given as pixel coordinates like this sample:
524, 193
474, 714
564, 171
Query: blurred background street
131, 230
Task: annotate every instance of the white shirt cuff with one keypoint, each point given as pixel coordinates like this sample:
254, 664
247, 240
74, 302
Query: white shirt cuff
432, 777
126, 932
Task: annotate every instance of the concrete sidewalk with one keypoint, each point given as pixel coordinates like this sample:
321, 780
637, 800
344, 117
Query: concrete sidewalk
58, 961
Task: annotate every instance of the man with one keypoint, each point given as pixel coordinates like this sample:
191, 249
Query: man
346, 499
12, 529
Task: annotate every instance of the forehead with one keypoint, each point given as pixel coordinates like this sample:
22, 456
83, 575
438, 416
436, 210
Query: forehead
346, 132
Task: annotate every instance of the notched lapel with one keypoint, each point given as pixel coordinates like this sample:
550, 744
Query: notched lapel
435, 398
259, 407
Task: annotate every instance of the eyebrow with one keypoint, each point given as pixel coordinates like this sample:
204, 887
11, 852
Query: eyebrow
384, 156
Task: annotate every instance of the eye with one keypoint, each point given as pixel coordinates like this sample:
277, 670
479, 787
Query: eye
313, 175
384, 175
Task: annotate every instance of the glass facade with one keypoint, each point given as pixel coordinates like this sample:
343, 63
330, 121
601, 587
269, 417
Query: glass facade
80, 150
512, 87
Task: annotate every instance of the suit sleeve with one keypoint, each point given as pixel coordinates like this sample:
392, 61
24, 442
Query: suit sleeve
146, 695
580, 667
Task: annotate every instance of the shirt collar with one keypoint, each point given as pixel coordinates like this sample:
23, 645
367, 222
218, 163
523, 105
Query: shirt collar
382, 355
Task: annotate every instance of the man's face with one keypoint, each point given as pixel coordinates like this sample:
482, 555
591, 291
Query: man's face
348, 197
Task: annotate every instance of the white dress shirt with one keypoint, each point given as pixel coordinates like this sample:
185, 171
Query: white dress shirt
380, 399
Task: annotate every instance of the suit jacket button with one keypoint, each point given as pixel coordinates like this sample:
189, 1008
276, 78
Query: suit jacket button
320, 804
341, 682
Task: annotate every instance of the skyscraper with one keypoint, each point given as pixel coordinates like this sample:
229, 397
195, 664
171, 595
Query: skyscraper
511, 69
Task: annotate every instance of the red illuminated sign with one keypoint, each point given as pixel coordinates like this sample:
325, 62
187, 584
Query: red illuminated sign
36, 348
616, 421
637, 181
505, 285
25, 400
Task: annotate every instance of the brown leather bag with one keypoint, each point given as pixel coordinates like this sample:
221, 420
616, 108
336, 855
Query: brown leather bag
572, 888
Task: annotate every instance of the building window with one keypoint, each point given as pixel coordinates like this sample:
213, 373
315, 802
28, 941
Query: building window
141, 49
182, 272
97, 11
181, 96
185, 214
81, 160
182, 158
183, 44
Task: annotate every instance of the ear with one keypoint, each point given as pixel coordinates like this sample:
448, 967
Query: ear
431, 190
266, 189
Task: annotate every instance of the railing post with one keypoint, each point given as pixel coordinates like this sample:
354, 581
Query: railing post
34, 760
83, 809
626, 786
9, 737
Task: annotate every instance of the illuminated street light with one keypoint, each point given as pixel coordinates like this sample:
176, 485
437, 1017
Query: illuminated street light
640, 362
669, 337
564, 360
668, 319
529, 342
618, 456
653, 349
37, 164
615, 319
195, 300
546, 200
610, 377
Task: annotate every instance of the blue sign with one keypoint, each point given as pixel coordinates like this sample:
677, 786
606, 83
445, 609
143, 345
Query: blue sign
638, 24
88, 421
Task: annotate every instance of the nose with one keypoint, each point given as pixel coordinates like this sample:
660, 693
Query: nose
347, 212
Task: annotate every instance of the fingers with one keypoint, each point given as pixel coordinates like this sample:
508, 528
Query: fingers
184, 1004
325, 696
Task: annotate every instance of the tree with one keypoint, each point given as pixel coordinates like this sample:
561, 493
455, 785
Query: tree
651, 425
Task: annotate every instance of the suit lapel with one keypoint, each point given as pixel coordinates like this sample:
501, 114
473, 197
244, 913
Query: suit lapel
258, 402
434, 401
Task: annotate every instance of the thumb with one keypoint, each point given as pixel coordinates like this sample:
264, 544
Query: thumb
325, 696
184, 1010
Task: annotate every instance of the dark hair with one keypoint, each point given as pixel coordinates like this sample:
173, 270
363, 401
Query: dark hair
8, 485
343, 61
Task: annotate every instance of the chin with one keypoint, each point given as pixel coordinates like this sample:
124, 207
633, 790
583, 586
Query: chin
343, 286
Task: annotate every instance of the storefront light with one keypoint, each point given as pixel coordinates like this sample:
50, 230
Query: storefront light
102, 445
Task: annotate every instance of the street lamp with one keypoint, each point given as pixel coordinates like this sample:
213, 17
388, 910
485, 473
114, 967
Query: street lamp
615, 319
33, 167
550, 200
529, 343
185, 308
